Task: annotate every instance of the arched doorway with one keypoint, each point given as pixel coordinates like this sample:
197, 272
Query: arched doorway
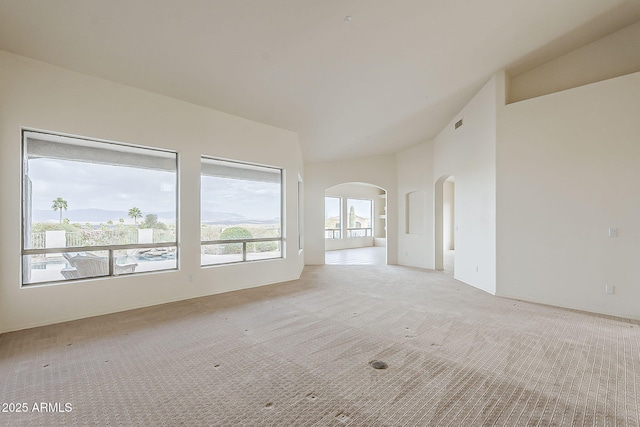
445, 224
355, 228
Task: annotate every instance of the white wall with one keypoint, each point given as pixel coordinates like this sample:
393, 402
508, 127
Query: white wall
37, 95
379, 171
449, 215
357, 191
538, 184
415, 174
467, 153
380, 218
611, 56
568, 169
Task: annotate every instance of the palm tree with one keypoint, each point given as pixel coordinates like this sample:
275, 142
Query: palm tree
135, 213
59, 204
352, 217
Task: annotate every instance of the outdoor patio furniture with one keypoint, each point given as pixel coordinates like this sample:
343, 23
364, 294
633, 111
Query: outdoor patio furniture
89, 265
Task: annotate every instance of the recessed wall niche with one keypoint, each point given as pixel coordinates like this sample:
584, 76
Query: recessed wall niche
415, 211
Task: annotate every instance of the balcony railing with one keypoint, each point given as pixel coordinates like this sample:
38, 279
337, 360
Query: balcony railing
48, 265
336, 233
359, 232
99, 237
332, 233
240, 250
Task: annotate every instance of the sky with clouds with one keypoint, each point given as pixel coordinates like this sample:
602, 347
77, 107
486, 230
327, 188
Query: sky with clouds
97, 186
119, 188
251, 199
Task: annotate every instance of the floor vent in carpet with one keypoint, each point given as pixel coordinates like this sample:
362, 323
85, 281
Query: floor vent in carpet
378, 364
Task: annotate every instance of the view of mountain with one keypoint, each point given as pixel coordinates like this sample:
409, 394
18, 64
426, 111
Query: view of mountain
80, 215
95, 216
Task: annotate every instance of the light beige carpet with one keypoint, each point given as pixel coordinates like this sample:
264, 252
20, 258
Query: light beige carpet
298, 353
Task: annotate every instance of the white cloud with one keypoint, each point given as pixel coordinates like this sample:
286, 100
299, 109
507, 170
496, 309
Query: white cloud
87, 186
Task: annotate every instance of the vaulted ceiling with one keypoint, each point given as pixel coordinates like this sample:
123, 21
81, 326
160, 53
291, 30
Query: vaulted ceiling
390, 76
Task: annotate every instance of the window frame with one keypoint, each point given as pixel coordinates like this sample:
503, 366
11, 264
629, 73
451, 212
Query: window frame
50, 136
340, 219
368, 230
280, 240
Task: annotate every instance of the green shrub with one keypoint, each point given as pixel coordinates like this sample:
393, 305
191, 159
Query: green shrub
266, 246
235, 233
48, 226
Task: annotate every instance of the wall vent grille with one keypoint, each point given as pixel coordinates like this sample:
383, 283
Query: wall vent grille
458, 124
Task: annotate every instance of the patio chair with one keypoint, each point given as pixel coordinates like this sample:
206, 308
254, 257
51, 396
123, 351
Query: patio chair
89, 265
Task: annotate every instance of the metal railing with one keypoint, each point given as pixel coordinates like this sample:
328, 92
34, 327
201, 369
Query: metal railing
332, 233
244, 243
359, 232
110, 249
336, 233
84, 238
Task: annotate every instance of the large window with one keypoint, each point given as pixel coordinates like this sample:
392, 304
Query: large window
332, 218
241, 212
96, 209
359, 212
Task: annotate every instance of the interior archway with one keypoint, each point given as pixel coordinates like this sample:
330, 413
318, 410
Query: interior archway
355, 224
445, 223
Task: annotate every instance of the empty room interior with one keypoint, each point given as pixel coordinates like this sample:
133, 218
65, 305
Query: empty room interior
288, 212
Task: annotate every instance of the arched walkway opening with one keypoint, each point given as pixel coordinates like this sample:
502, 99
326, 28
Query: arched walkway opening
445, 226
355, 224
